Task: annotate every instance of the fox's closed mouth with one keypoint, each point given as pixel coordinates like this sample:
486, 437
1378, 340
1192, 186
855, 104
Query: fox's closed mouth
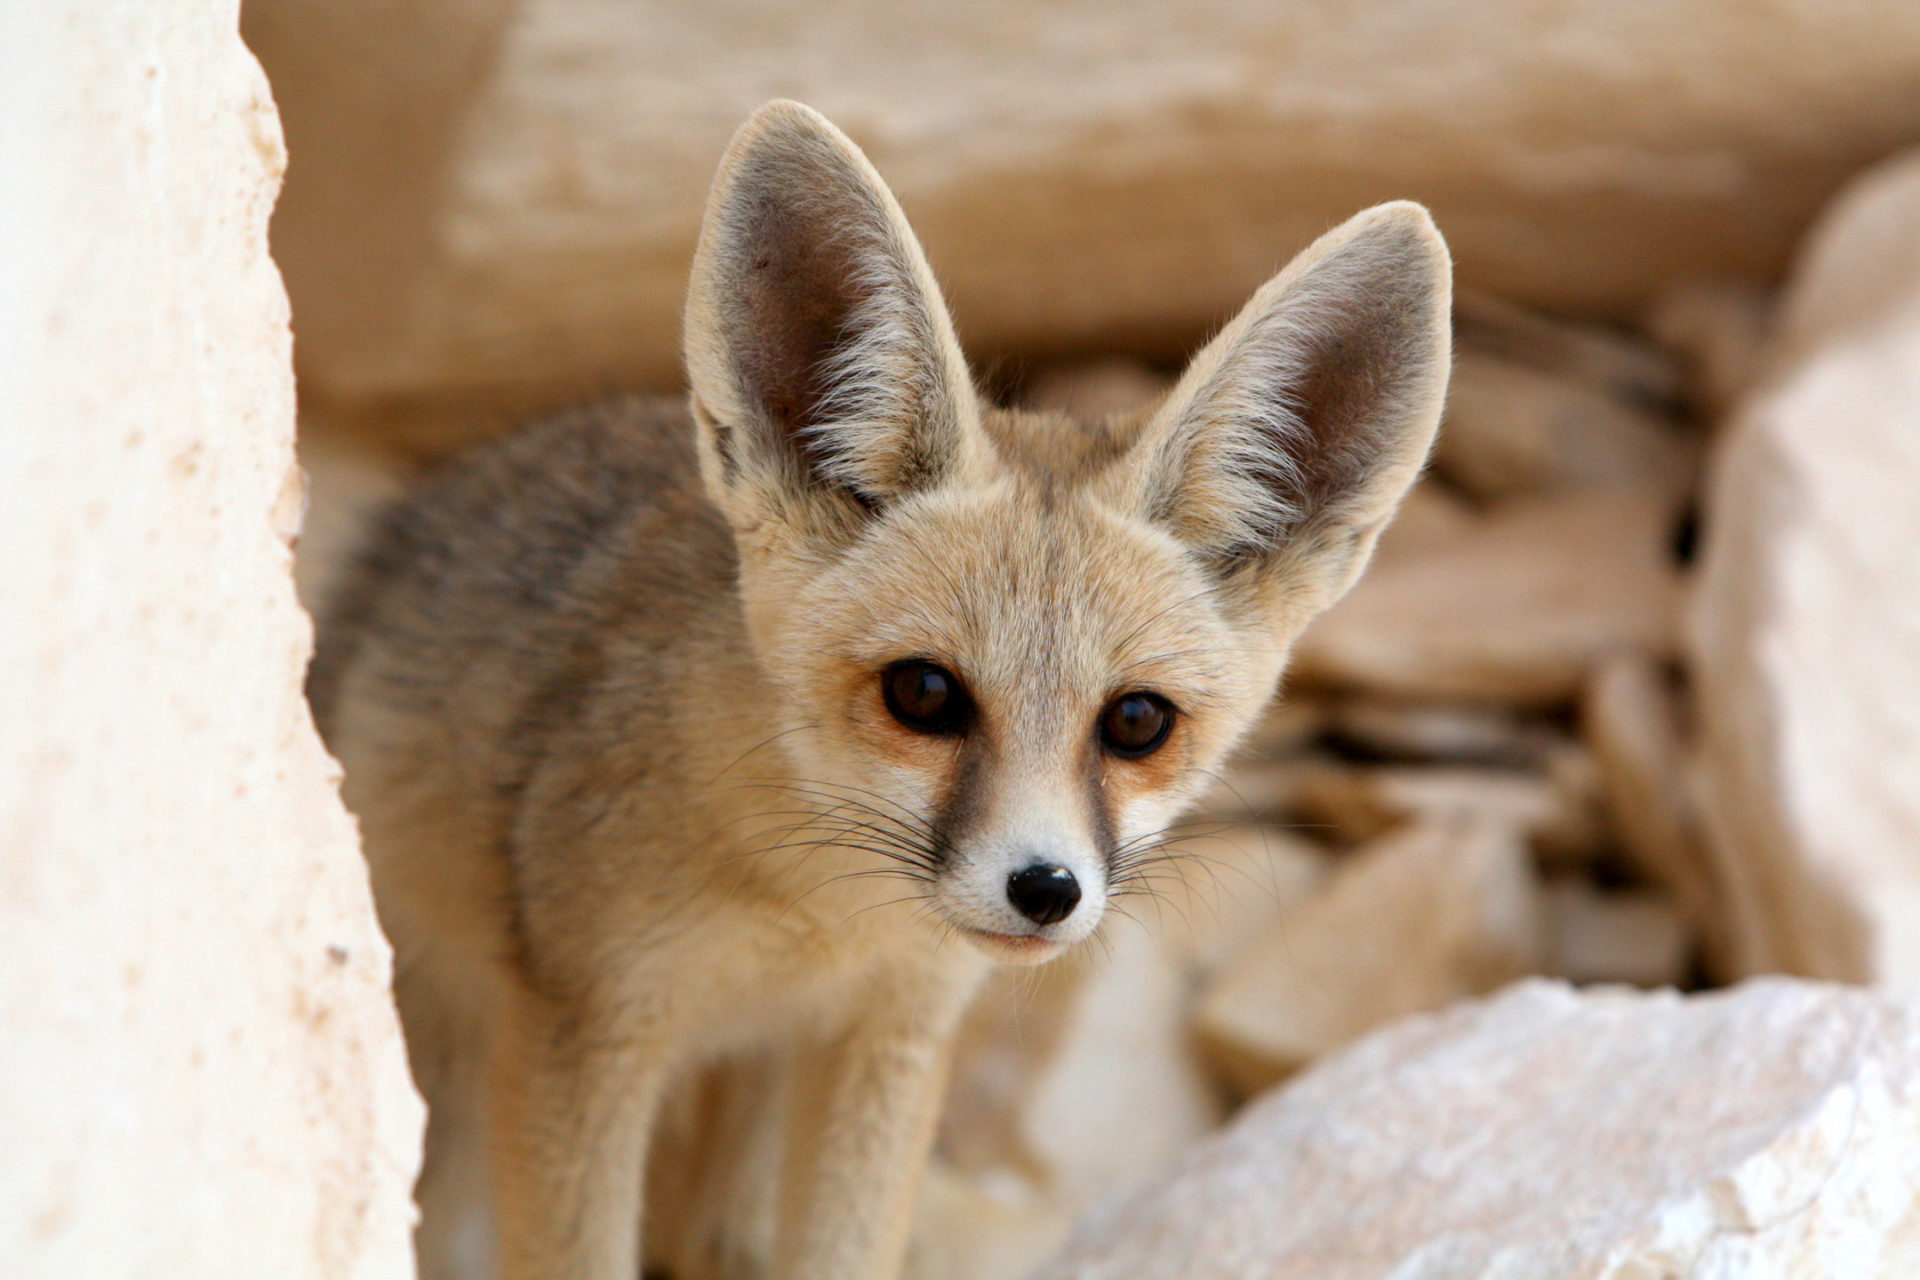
1017, 943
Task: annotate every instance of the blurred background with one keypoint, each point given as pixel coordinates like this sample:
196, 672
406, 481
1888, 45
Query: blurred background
1521, 747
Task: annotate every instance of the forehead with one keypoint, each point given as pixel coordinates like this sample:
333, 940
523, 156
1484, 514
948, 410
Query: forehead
1030, 589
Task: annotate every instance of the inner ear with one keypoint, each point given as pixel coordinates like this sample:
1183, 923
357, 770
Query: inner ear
1304, 421
802, 283
820, 356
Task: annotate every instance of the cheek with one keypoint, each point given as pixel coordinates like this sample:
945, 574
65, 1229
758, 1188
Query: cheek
915, 767
1149, 793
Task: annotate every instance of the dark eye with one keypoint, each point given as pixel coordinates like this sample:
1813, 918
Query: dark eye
926, 698
1135, 724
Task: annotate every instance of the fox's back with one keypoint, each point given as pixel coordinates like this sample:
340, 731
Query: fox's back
482, 607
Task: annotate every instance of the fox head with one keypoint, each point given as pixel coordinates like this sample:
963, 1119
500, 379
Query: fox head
1014, 644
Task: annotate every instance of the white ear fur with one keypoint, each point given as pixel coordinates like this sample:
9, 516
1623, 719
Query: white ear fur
825, 376
1296, 431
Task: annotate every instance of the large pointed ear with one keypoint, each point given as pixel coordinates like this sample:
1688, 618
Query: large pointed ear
1292, 437
826, 380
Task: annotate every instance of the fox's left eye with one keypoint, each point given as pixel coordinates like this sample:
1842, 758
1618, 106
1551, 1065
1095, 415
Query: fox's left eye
925, 697
1135, 724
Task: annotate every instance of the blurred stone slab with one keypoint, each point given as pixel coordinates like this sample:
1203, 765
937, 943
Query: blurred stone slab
1513, 429
1361, 803
1805, 632
1096, 389
1439, 910
1517, 609
1623, 364
1630, 715
1394, 730
1721, 329
992, 1225
1637, 937
1124, 1091
496, 199
1768, 1132
1227, 885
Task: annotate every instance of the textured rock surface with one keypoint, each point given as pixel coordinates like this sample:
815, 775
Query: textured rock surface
502, 194
1764, 1133
1512, 429
1631, 716
1807, 620
1438, 911
202, 1074
1516, 609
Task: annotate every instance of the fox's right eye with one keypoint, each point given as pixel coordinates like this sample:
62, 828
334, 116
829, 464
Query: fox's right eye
925, 697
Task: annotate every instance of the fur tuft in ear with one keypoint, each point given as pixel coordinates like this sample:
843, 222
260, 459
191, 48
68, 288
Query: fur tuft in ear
824, 370
1299, 427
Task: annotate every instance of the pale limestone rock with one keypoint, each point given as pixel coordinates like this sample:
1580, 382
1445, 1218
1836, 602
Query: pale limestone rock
1518, 609
1256, 793
1011, 1031
1767, 1133
1635, 936
1095, 389
1805, 628
1287, 726
1513, 429
1124, 1091
1428, 516
1721, 328
992, 1225
497, 199
202, 1072
1631, 718
1446, 732
1439, 910
1228, 884
1622, 364
1559, 815
1070, 1084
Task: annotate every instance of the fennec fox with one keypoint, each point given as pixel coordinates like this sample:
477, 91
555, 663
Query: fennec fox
775, 720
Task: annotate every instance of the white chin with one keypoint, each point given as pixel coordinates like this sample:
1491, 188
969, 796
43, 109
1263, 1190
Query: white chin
1013, 948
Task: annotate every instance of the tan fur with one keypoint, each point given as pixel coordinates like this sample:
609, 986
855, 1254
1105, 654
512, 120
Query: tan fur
608, 697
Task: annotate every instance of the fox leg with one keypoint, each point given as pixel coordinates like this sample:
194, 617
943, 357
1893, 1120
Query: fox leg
862, 1121
572, 1104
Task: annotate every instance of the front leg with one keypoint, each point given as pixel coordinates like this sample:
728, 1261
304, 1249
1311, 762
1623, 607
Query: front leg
862, 1121
573, 1098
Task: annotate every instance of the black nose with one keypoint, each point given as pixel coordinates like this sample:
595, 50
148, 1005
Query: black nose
1043, 893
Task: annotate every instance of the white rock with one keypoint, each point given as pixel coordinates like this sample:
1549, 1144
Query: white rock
1767, 1133
497, 200
1806, 625
202, 1072
1517, 609
1440, 910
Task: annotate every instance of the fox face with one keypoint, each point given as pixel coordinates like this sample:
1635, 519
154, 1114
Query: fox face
1008, 648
